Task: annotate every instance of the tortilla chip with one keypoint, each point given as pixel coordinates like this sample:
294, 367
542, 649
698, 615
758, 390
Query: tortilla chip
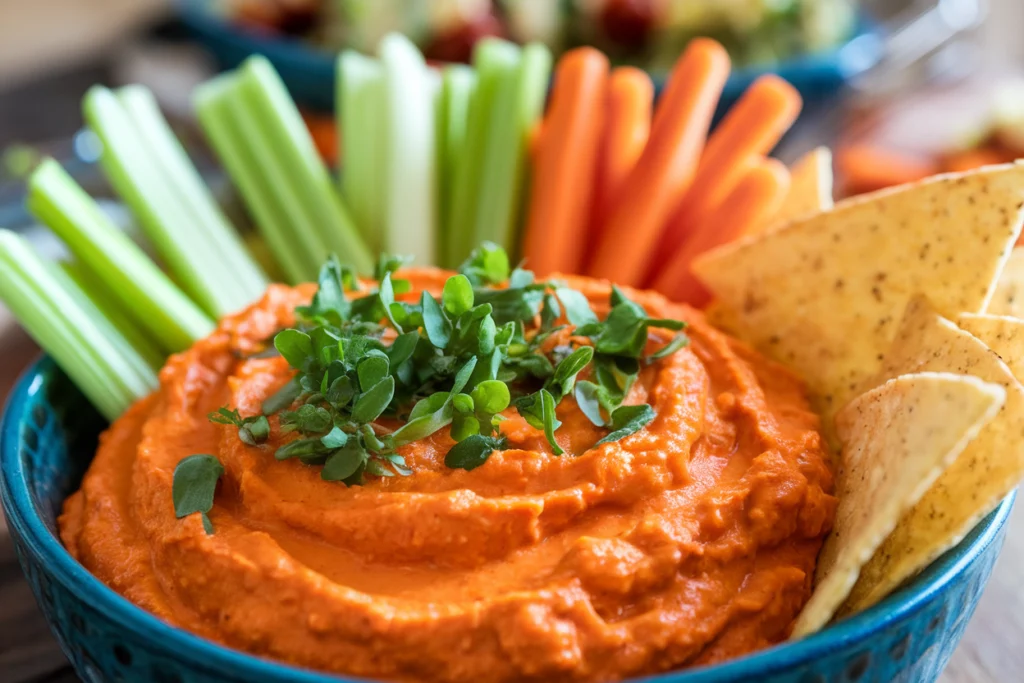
988, 469
897, 440
810, 191
1003, 334
1009, 296
824, 295
810, 188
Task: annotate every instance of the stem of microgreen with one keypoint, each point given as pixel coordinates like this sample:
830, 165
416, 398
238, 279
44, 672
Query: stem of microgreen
145, 292
60, 318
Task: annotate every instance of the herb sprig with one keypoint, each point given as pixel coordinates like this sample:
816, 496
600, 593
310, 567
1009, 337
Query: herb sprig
365, 361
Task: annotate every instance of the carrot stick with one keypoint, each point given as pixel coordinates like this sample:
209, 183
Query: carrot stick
565, 163
866, 168
630, 100
970, 159
754, 199
750, 130
666, 168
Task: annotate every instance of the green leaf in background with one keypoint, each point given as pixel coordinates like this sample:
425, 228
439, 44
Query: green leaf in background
194, 484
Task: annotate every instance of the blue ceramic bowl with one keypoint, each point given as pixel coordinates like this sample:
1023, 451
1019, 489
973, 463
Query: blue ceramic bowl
309, 73
48, 436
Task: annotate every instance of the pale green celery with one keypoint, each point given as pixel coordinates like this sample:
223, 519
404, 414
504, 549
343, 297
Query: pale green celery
496, 63
179, 171
213, 102
410, 225
145, 168
517, 107
267, 100
457, 86
99, 296
360, 119
49, 306
144, 291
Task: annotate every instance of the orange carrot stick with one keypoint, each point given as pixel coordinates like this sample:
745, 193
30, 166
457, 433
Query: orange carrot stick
630, 101
566, 163
666, 168
866, 168
970, 159
754, 199
753, 126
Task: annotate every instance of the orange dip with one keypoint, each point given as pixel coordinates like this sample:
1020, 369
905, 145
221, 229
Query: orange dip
689, 542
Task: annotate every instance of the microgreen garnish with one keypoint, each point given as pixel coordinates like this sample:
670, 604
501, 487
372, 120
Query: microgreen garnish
251, 430
195, 481
457, 362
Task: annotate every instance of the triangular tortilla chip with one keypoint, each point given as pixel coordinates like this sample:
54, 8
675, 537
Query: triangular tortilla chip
897, 440
824, 295
989, 468
1003, 334
1009, 296
810, 191
810, 188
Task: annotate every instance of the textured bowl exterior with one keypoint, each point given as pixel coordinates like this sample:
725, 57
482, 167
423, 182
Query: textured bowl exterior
48, 435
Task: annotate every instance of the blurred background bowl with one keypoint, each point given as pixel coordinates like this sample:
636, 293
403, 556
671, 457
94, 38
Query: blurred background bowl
308, 69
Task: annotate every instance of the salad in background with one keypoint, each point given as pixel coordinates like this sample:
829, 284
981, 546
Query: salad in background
647, 33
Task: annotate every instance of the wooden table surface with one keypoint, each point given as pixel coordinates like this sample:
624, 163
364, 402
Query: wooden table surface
992, 650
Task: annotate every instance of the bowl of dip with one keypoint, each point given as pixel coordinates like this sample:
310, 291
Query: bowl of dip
50, 432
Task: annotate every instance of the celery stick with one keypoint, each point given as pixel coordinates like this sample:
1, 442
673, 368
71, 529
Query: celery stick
457, 86
99, 296
269, 103
214, 110
410, 218
299, 226
496, 63
153, 301
195, 195
360, 112
143, 362
48, 305
142, 165
517, 107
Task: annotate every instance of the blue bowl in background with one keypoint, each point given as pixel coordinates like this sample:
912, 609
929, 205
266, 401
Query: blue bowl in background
48, 435
309, 72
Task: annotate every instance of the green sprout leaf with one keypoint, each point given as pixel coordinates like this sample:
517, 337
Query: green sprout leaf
193, 487
435, 324
473, 451
457, 296
371, 404
628, 420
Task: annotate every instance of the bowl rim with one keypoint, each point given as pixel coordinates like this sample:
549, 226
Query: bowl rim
28, 525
